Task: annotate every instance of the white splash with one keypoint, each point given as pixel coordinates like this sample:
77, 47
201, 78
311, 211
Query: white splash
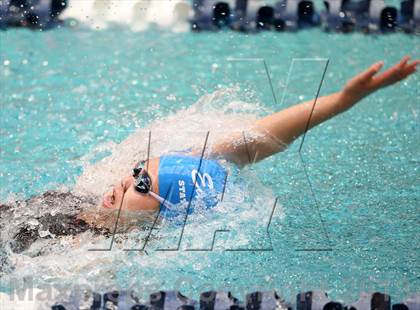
139, 15
183, 130
67, 260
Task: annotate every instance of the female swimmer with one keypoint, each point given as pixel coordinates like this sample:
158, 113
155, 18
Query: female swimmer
165, 181
161, 183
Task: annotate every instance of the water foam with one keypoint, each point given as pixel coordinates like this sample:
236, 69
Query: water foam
68, 260
139, 15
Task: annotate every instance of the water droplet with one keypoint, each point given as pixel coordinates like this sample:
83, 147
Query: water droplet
171, 97
43, 233
33, 222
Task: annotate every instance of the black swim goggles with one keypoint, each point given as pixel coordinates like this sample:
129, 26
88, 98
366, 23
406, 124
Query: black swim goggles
143, 184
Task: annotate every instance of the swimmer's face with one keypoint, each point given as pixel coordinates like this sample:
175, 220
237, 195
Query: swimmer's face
125, 194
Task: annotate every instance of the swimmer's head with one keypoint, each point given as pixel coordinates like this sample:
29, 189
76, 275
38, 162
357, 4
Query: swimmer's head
125, 195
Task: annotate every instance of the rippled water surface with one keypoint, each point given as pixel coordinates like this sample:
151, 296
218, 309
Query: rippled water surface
69, 93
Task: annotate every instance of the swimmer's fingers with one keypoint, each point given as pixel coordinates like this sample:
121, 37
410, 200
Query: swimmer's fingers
371, 80
396, 73
361, 84
369, 73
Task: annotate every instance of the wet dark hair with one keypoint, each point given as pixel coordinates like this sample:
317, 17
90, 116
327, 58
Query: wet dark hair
59, 214
65, 222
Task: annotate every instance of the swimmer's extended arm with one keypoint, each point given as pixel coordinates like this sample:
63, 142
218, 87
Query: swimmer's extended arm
275, 132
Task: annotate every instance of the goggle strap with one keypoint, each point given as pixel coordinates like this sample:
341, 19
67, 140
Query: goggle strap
161, 200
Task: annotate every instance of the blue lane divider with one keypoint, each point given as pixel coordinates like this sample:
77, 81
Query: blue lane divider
251, 15
31, 13
214, 300
334, 15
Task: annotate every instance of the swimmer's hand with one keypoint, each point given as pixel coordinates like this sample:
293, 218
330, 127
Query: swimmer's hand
369, 81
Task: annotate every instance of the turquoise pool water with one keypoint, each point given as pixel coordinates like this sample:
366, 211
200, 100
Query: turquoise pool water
66, 91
